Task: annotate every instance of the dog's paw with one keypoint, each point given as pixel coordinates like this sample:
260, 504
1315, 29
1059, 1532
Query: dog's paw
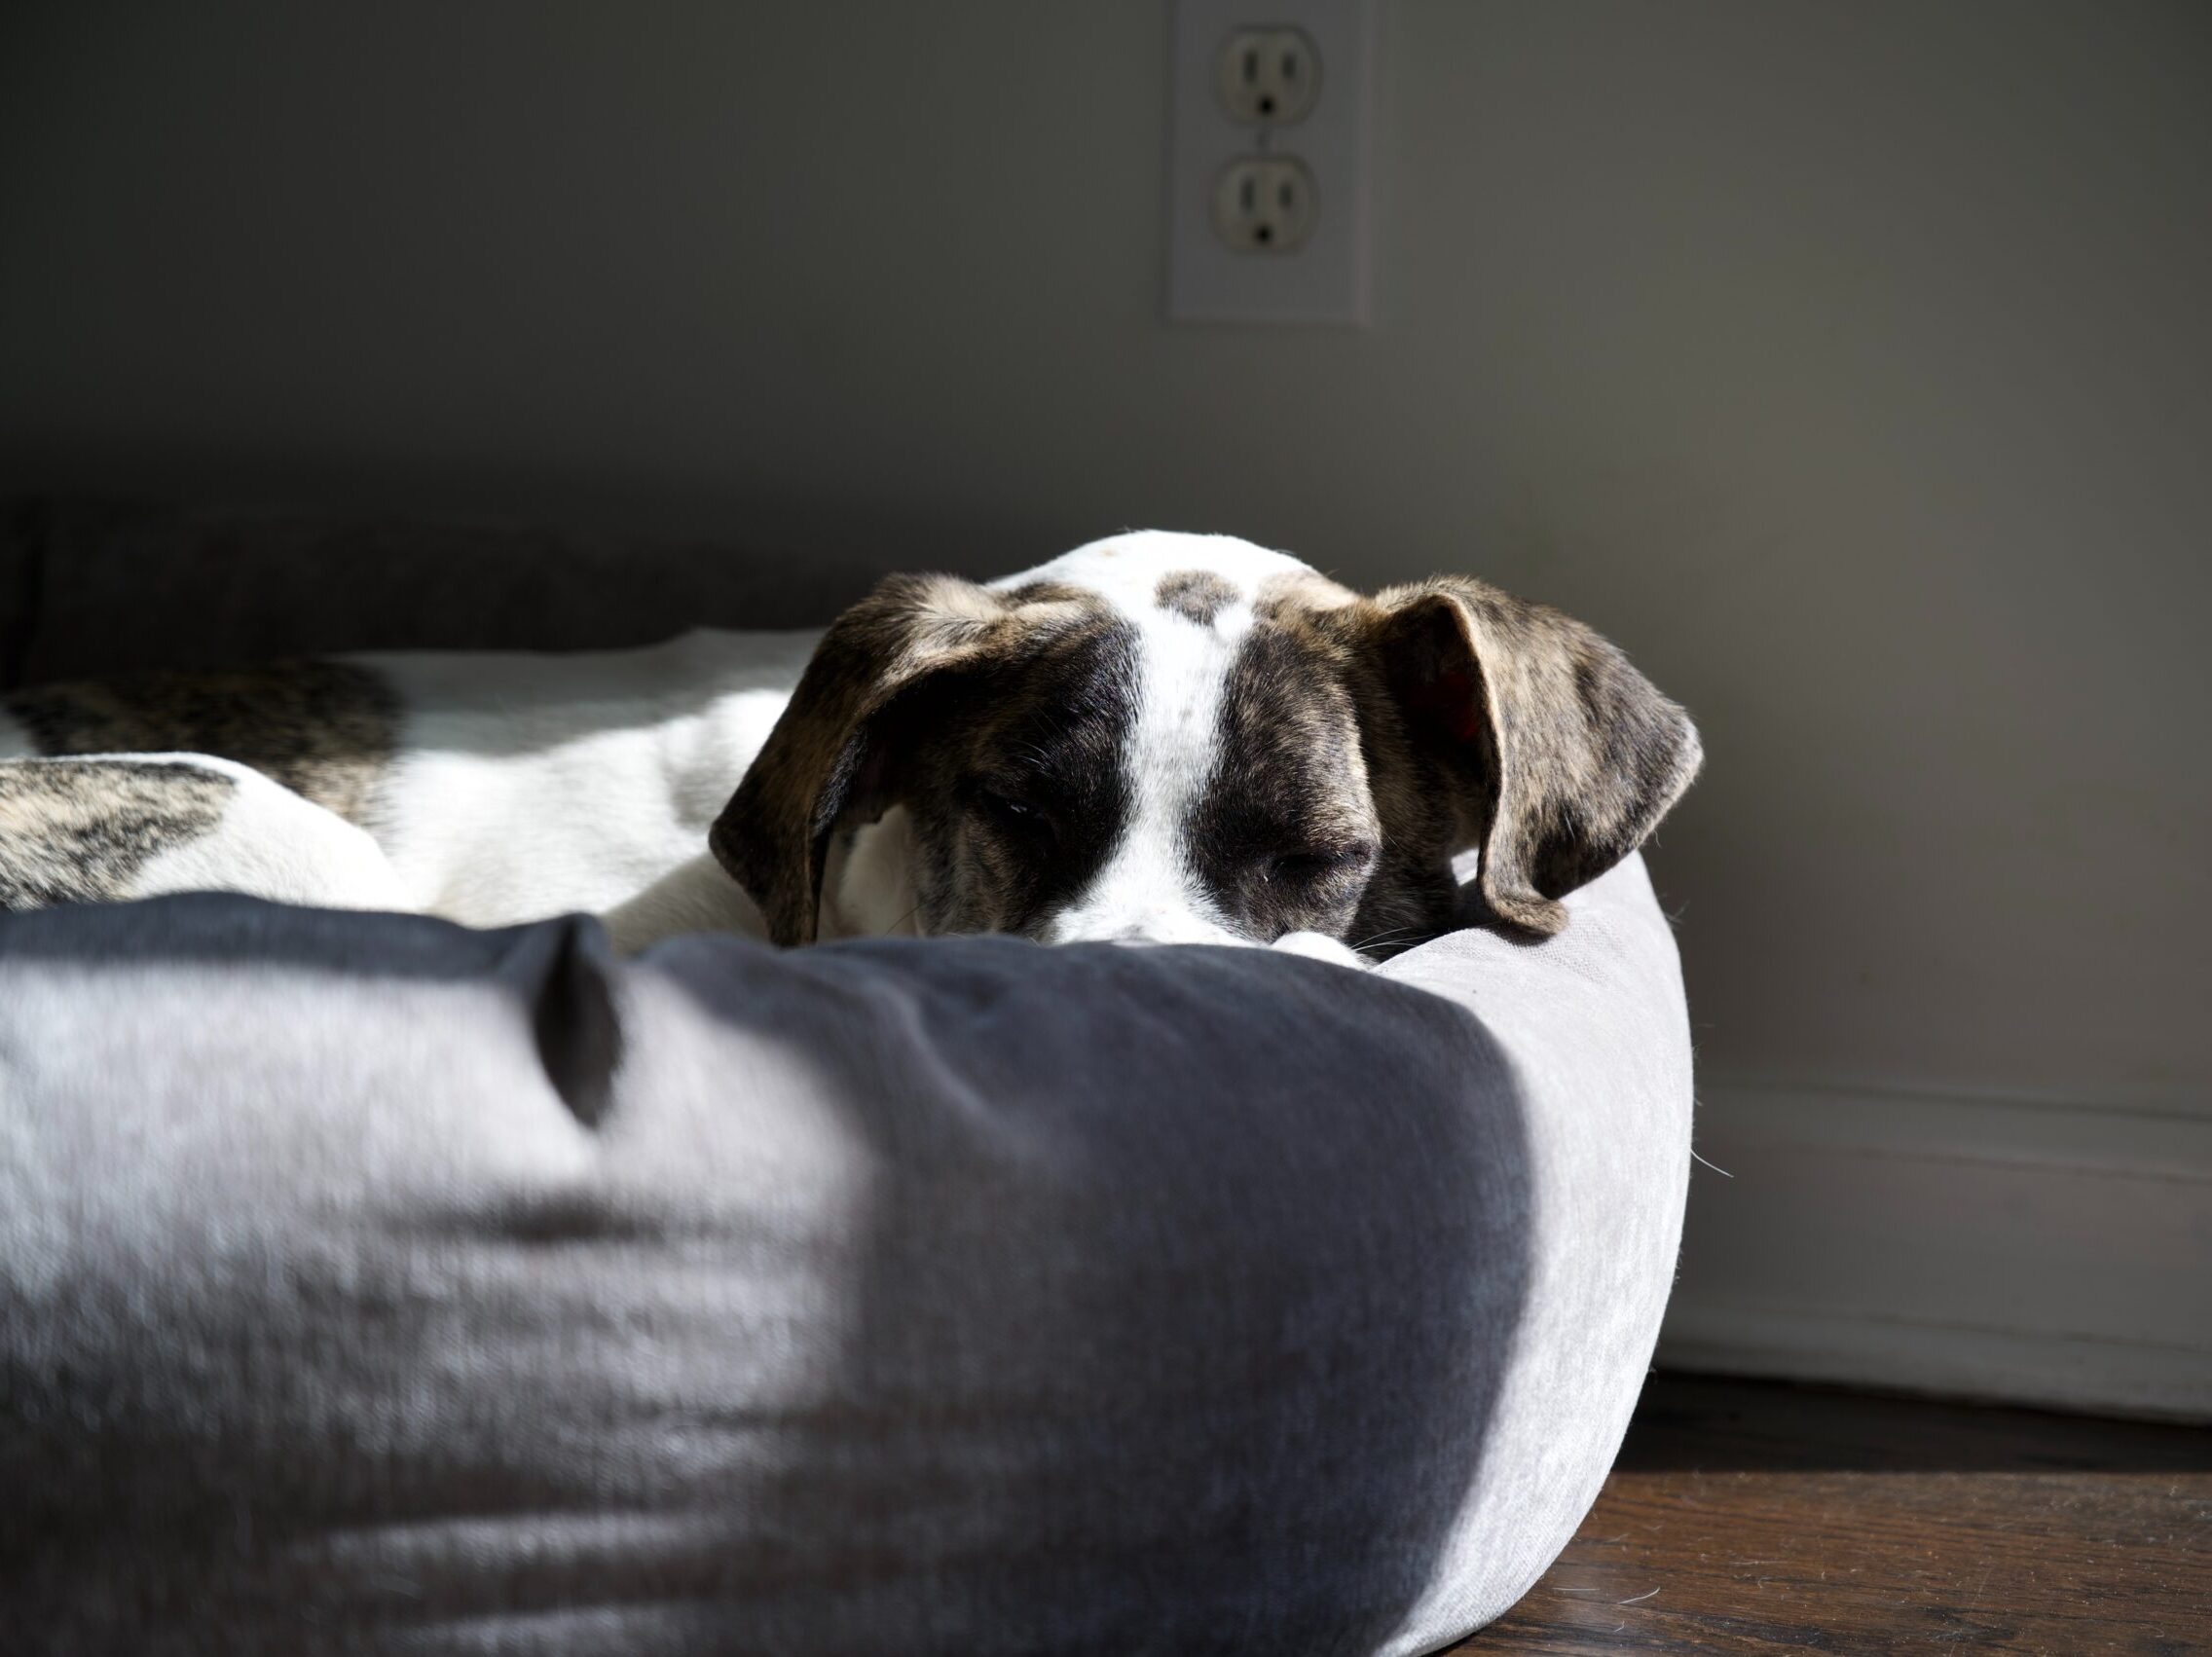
1321, 946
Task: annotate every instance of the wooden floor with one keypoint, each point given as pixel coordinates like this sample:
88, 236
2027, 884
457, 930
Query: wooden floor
1754, 1517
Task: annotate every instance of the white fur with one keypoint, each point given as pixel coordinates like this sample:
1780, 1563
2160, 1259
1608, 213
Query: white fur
1124, 570
697, 895
273, 844
538, 785
267, 843
867, 887
1148, 890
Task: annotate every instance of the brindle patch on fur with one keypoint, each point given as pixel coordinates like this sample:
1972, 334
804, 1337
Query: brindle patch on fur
1014, 777
78, 831
1039, 593
1486, 722
325, 730
1299, 597
1283, 835
1315, 748
924, 687
1196, 595
1409, 894
1566, 756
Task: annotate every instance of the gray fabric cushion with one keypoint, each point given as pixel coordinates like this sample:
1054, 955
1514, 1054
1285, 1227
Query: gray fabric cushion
367, 1283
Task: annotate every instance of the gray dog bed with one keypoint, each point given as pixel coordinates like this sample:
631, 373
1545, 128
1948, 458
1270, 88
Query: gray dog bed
367, 1283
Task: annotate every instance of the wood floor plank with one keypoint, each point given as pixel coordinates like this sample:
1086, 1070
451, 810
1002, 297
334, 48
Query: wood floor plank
1749, 1518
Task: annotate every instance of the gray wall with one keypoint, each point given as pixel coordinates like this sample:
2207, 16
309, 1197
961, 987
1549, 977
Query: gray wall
1850, 363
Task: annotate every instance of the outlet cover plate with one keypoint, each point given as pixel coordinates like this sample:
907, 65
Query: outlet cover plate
1327, 278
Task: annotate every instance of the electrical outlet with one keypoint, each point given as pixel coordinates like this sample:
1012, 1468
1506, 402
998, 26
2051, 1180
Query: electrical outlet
1268, 76
1264, 204
1268, 194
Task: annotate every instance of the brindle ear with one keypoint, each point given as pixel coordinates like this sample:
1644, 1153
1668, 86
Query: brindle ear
1569, 757
774, 832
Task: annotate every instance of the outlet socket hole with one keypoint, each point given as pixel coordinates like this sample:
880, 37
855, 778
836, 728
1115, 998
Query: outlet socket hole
1268, 76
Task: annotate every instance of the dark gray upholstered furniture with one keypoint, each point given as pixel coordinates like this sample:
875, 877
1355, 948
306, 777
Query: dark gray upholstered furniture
91, 586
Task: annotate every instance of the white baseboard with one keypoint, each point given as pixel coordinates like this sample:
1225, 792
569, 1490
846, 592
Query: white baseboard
2028, 1251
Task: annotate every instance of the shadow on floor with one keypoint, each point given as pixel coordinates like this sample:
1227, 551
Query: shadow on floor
1688, 1423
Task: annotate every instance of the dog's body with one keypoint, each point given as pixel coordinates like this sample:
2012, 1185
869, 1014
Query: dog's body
494, 788
1157, 737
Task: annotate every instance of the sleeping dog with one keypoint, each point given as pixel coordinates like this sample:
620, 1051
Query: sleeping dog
1158, 737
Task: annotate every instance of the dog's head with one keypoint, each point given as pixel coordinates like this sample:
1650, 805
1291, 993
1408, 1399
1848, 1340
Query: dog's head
1190, 739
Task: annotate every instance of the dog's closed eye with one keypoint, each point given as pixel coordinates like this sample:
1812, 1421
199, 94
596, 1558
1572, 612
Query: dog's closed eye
1017, 811
1314, 866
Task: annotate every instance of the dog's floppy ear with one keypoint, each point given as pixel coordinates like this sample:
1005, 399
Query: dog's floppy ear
775, 831
1567, 757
